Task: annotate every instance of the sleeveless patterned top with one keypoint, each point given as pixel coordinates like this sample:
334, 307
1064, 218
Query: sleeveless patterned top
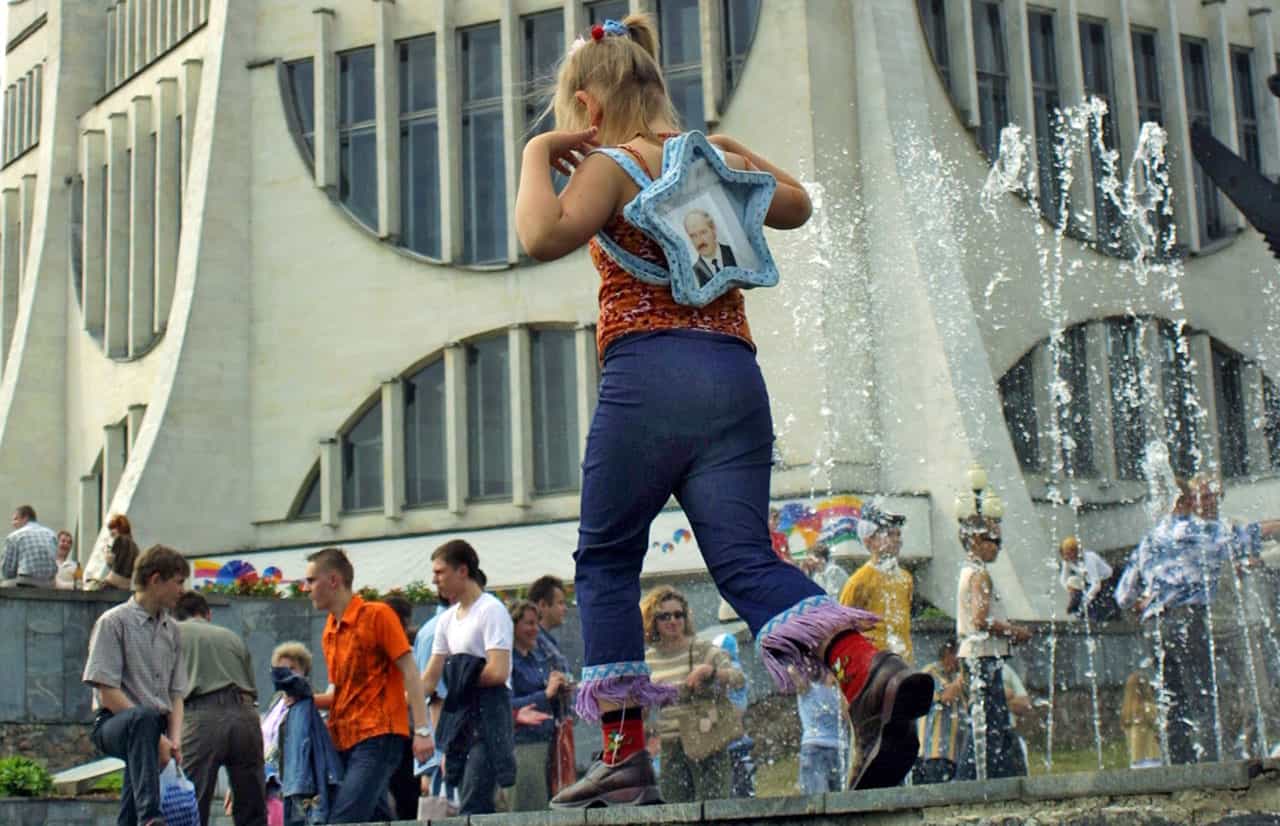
628, 305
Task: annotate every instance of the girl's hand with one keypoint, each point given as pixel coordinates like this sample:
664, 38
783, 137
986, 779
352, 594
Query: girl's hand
567, 149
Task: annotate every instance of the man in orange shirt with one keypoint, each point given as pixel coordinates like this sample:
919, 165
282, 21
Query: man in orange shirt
370, 669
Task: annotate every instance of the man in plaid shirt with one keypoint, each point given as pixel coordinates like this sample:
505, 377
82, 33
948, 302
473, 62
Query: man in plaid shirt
30, 552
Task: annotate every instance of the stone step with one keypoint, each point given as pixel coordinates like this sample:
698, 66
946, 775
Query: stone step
80, 779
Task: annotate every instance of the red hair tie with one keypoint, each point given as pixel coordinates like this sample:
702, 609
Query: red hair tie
597, 32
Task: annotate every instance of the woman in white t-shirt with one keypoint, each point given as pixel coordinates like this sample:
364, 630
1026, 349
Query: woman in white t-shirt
477, 624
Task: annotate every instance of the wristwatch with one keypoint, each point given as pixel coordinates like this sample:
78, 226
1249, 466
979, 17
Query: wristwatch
422, 731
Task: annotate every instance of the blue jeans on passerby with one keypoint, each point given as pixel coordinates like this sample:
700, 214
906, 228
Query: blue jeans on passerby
367, 768
686, 413
133, 736
820, 769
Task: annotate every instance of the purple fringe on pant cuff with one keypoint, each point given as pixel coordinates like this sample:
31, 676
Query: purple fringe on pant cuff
795, 640
630, 690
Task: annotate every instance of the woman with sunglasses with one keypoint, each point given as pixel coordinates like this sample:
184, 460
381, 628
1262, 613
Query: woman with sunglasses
985, 635
697, 668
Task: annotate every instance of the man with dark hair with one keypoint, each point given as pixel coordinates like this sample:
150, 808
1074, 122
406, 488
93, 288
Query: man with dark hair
30, 552
371, 668
548, 594
136, 668
221, 728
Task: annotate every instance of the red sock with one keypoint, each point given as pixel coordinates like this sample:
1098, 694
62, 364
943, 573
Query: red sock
623, 734
849, 656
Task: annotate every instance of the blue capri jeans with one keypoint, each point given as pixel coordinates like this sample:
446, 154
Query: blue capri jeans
686, 413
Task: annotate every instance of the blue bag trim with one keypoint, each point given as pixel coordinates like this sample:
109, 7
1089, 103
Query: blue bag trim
639, 268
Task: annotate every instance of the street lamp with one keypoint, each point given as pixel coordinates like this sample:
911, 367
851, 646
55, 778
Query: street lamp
980, 502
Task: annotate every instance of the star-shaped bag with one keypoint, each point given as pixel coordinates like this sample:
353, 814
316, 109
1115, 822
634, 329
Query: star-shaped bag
707, 217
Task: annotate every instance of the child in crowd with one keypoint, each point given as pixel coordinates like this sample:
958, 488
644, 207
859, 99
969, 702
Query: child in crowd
821, 734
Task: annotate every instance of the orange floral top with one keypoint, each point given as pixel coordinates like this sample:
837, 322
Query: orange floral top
629, 305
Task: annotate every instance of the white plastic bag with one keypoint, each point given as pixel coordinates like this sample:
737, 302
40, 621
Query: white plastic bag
178, 805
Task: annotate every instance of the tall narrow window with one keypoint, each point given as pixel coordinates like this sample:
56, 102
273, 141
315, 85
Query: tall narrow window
933, 17
1246, 107
992, 69
1095, 58
1180, 401
178, 173
555, 411
77, 237
1125, 372
1044, 91
1146, 73
1074, 417
103, 206
681, 37
310, 504
1228, 391
603, 10
1195, 72
739, 20
484, 180
488, 419
419, 147
424, 436
543, 45
362, 462
301, 77
357, 136
1017, 397
1271, 418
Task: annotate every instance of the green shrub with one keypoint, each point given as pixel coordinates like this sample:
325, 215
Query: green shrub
112, 783
22, 777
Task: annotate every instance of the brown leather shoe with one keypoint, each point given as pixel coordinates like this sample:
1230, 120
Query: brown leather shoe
629, 783
883, 714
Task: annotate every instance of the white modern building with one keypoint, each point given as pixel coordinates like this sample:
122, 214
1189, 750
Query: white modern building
260, 288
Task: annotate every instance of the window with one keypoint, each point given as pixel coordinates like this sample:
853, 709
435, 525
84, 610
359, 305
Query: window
1095, 59
1074, 416
681, 37
419, 148
484, 183
76, 240
933, 17
1228, 391
1271, 420
1124, 342
310, 504
1044, 91
1146, 72
1180, 402
357, 136
1017, 396
993, 74
738, 18
1246, 108
488, 419
1195, 70
555, 411
607, 10
362, 462
301, 77
543, 45
424, 436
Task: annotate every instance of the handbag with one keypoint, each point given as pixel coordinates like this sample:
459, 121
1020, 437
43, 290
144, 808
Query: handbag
178, 804
564, 771
708, 724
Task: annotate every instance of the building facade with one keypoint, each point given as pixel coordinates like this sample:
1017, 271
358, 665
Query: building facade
260, 286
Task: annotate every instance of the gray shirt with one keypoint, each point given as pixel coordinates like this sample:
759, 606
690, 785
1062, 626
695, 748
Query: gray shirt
138, 653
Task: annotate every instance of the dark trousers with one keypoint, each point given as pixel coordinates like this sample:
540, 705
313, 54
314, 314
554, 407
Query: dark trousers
477, 794
933, 770
221, 730
133, 736
1188, 681
988, 703
367, 769
683, 413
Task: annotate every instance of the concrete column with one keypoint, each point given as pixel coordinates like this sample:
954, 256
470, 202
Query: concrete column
37, 102
1124, 92
133, 422
115, 454
142, 237
117, 315
642, 6
1174, 102
520, 374
512, 116
88, 509
1104, 445
449, 120
1018, 55
10, 266
455, 426
192, 72
330, 482
171, 17
181, 19
163, 37
964, 77
168, 180
575, 20
8, 124
1201, 352
110, 68
1070, 68
326, 102
27, 190
392, 447
122, 42
1264, 65
93, 288
711, 24
588, 365
147, 31
387, 116
1255, 419
137, 47
20, 121
1222, 94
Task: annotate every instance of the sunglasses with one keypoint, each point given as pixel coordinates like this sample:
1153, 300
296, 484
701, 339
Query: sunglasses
667, 616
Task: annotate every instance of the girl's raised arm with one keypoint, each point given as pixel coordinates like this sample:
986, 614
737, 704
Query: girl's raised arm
551, 226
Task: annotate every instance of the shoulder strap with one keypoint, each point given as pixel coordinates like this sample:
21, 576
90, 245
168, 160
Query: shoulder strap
645, 271
624, 159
